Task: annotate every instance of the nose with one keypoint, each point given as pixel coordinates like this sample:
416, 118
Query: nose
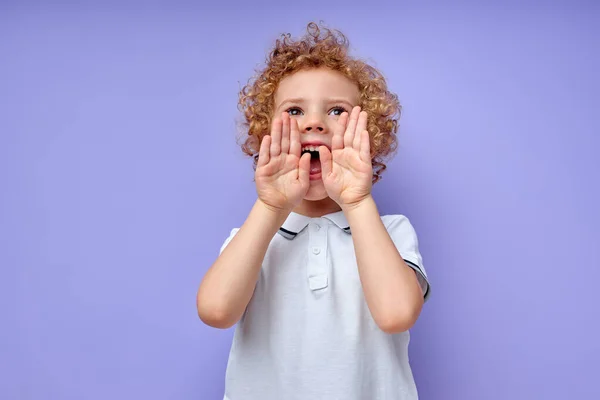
314, 124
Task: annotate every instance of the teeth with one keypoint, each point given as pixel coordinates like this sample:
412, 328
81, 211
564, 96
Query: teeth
310, 148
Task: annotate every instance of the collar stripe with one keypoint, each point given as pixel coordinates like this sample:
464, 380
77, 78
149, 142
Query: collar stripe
287, 234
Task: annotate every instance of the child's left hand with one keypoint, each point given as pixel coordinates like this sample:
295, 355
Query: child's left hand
347, 171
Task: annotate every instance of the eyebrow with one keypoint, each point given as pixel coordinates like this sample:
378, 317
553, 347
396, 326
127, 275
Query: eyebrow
301, 100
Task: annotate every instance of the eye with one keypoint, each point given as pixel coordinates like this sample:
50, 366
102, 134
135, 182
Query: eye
291, 111
339, 110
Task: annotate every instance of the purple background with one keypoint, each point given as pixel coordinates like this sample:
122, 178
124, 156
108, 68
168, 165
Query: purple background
118, 159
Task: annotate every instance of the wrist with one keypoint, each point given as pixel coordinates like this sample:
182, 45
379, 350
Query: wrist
271, 213
362, 210
358, 205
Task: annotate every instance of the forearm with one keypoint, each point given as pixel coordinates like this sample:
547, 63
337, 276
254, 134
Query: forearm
391, 288
229, 283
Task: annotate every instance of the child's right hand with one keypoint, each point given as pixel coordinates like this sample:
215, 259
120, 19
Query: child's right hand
282, 174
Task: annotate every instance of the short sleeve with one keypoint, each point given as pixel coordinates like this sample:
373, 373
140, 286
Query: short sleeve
405, 238
231, 235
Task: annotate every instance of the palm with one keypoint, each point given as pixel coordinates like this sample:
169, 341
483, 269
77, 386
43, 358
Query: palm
282, 174
347, 170
277, 182
350, 177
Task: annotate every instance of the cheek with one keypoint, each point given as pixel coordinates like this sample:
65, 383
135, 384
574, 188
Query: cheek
333, 124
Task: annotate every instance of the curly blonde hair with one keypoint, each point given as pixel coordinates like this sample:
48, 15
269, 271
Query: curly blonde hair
320, 47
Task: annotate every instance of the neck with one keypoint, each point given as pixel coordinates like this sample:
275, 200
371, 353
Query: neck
317, 208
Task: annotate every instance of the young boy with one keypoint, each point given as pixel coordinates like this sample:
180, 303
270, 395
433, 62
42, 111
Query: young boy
323, 288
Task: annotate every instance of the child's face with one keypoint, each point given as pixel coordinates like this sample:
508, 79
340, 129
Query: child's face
316, 98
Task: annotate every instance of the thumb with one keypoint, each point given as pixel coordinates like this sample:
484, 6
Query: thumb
326, 163
304, 169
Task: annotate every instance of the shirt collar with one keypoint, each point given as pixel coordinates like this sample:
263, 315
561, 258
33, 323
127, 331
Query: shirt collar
295, 223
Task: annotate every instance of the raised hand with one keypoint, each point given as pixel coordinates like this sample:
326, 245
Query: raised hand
282, 175
347, 169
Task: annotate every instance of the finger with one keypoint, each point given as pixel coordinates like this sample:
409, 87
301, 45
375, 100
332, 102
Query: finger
365, 146
326, 161
285, 134
360, 127
304, 169
263, 154
276, 138
351, 128
295, 146
337, 142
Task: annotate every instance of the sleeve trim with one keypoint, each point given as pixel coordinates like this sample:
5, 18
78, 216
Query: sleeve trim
420, 272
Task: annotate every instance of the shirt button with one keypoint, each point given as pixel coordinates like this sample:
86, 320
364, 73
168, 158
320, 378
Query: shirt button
317, 226
316, 250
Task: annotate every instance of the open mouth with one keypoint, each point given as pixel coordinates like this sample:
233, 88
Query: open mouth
315, 162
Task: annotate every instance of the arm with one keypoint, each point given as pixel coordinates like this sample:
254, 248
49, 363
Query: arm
228, 285
282, 180
391, 288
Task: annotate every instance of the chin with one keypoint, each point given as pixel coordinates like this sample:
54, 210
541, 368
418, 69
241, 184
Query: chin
316, 191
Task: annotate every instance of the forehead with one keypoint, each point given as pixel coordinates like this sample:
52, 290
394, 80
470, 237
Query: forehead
316, 83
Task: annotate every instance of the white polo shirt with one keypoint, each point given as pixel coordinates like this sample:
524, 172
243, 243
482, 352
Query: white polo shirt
307, 333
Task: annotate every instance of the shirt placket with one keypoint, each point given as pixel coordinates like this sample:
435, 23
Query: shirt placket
317, 255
